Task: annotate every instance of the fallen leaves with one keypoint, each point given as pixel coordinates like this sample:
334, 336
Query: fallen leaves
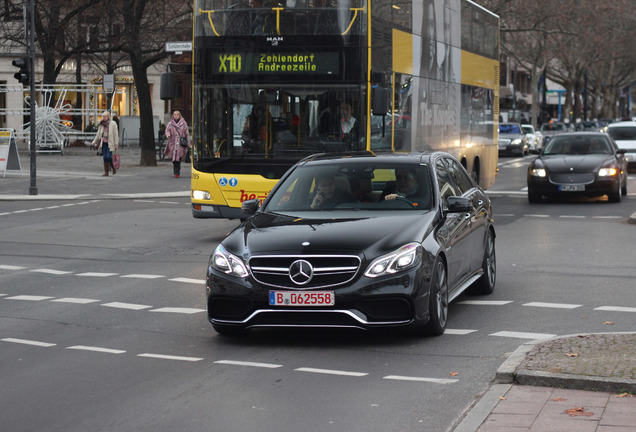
572, 354
559, 399
502, 398
622, 395
609, 323
454, 373
578, 411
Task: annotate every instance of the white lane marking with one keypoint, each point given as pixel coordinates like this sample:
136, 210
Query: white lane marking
3, 295
50, 271
607, 217
96, 349
169, 202
52, 207
422, 379
11, 267
169, 357
250, 364
96, 274
553, 305
132, 306
572, 217
460, 332
142, 276
29, 298
20, 211
485, 302
181, 310
331, 372
75, 300
537, 215
523, 335
504, 215
188, 280
29, 342
616, 309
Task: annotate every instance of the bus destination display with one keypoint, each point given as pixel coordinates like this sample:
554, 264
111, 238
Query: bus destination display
255, 63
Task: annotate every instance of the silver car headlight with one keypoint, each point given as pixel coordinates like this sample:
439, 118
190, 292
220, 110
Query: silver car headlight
406, 257
607, 172
516, 141
225, 262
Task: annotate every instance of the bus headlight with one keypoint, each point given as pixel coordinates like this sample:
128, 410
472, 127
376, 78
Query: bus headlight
201, 195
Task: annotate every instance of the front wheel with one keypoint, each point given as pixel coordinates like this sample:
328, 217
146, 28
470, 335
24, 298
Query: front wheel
486, 284
617, 195
437, 301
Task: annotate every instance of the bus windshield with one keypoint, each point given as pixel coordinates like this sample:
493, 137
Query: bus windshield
278, 120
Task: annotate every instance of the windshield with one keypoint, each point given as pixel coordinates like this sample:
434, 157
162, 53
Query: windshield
578, 145
509, 129
345, 186
553, 127
622, 133
281, 120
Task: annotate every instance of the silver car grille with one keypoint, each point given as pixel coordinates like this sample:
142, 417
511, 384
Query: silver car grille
303, 272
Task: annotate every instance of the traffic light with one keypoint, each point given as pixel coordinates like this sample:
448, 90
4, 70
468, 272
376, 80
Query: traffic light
24, 74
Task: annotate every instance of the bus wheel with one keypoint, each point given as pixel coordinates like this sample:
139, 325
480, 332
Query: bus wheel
474, 173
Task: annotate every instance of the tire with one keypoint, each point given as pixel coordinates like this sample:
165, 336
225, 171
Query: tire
624, 189
534, 197
437, 301
486, 284
617, 195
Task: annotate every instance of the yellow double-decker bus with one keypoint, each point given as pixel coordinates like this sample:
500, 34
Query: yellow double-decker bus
276, 81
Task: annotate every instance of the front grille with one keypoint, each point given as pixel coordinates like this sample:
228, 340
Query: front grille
572, 178
327, 270
504, 141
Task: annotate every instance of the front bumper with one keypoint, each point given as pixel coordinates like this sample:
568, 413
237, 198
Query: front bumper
596, 187
364, 303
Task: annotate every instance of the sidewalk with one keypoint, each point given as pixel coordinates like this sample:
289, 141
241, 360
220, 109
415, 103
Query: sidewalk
571, 383
77, 174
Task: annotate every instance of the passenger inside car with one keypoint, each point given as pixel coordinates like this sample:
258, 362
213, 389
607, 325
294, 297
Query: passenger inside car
328, 194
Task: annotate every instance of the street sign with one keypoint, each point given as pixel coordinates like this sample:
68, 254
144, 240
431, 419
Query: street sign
108, 82
178, 47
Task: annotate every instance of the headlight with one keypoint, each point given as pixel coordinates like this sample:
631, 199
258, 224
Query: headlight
225, 262
607, 172
538, 172
404, 258
516, 141
200, 195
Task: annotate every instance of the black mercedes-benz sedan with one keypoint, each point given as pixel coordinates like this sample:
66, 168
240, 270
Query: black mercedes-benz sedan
359, 241
583, 163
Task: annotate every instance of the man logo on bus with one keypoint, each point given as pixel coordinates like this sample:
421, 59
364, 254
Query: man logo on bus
233, 60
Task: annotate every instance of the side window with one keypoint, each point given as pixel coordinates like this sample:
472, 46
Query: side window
459, 176
444, 182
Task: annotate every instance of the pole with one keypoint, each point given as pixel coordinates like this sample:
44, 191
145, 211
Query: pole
33, 190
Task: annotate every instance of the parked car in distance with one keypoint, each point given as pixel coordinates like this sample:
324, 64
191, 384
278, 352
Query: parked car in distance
551, 129
511, 140
578, 163
532, 137
356, 241
624, 135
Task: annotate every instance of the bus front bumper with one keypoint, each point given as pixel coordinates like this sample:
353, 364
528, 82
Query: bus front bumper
210, 211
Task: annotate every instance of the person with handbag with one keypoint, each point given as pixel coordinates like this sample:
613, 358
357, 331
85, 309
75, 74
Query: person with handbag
178, 143
107, 138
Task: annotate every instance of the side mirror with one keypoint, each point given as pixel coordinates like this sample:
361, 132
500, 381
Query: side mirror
250, 207
621, 151
459, 204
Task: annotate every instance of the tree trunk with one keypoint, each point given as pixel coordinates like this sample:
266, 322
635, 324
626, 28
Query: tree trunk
146, 138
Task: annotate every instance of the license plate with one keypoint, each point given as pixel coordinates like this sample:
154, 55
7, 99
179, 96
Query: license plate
571, 188
302, 298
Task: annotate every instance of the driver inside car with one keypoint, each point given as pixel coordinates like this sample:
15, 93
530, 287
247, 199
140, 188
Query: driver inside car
405, 186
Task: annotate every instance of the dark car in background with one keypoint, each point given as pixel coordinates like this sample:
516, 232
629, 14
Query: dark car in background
511, 139
358, 241
578, 163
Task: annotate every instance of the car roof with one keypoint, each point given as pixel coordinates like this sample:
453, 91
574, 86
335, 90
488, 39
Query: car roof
582, 133
417, 158
622, 124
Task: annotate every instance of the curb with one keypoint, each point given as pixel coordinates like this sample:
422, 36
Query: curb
632, 219
508, 374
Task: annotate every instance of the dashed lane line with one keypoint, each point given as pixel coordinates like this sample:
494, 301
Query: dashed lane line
249, 364
188, 280
181, 310
331, 372
131, 306
51, 271
458, 332
421, 379
96, 349
29, 298
75, 300
485, 302
615, 309
170, 357
523, 335
142, 276
28, 342
96, 274
553, 305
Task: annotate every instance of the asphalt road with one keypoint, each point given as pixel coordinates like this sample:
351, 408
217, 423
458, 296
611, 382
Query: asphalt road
102, 322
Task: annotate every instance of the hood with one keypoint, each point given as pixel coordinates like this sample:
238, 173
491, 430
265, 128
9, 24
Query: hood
511, 135
279, 234
574, 163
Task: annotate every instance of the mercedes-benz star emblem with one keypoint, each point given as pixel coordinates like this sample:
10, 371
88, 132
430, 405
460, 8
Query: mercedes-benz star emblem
301, 272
